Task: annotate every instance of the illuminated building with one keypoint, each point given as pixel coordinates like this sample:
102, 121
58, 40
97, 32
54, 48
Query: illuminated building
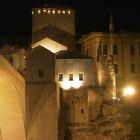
74, 75
63, 18
53, 24
123, 46
15, 56
67, 95
12, 102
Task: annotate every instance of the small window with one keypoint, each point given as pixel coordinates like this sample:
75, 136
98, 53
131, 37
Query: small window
105, 50
115, 50
116, 68
132, 68
81, 76
70, 77
60, 77
82, 111
132, 50
41, 73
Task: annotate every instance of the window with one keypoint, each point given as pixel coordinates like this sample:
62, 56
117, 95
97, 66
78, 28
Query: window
39, 11
105, 49
132, 50
70, 77
81, 76
41, 73
60, 77
82, 111
116, 68
132, 68
115, 50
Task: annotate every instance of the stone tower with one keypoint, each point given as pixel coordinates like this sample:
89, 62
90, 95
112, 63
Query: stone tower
63, 18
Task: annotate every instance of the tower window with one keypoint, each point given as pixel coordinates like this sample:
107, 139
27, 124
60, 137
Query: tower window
116, 68
105, 50
39, 11
132, 68
53, 11
115, 50
70, 77
41, 73
69, 12
44, 10
132, 50
63, 12
81, 76
58, 11
82, 111
60, 77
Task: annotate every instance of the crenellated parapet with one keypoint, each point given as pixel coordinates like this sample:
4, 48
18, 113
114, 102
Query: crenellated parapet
52, 11
63, 18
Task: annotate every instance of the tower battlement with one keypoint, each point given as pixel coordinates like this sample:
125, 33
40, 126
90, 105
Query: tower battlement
63, 18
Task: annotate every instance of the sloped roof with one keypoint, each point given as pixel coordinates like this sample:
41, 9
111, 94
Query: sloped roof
10, 49
71, 55
55, 34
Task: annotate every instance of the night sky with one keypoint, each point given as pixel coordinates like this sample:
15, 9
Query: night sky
90, 16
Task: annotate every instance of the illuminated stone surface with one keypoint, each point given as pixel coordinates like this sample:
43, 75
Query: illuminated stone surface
42, 110
12, 110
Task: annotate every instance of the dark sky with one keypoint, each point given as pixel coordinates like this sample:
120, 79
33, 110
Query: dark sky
90, 15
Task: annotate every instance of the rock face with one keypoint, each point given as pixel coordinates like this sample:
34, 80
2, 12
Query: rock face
12, 99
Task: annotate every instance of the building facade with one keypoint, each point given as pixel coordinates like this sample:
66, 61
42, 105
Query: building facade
124, 47
68, 95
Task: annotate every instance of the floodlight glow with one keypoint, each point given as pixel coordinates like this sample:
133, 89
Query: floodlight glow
76, 83
66, 85
129, 91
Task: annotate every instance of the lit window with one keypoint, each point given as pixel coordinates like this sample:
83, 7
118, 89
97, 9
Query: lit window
48, 11
63, 12
39, 11
41, 73
132, 68
58, 11
32, 12
60, 77
69, 12
70, 77
53, 11
116, 68
132, 50
44, 10
81, 76
115, 50
105, 49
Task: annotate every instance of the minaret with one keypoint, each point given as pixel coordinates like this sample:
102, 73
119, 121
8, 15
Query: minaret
111, 25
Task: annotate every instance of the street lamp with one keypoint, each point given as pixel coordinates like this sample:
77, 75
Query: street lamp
128, 91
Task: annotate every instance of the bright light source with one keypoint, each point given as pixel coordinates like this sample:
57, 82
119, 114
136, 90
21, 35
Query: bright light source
114, 97
129, 91
66, 85
76, 83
